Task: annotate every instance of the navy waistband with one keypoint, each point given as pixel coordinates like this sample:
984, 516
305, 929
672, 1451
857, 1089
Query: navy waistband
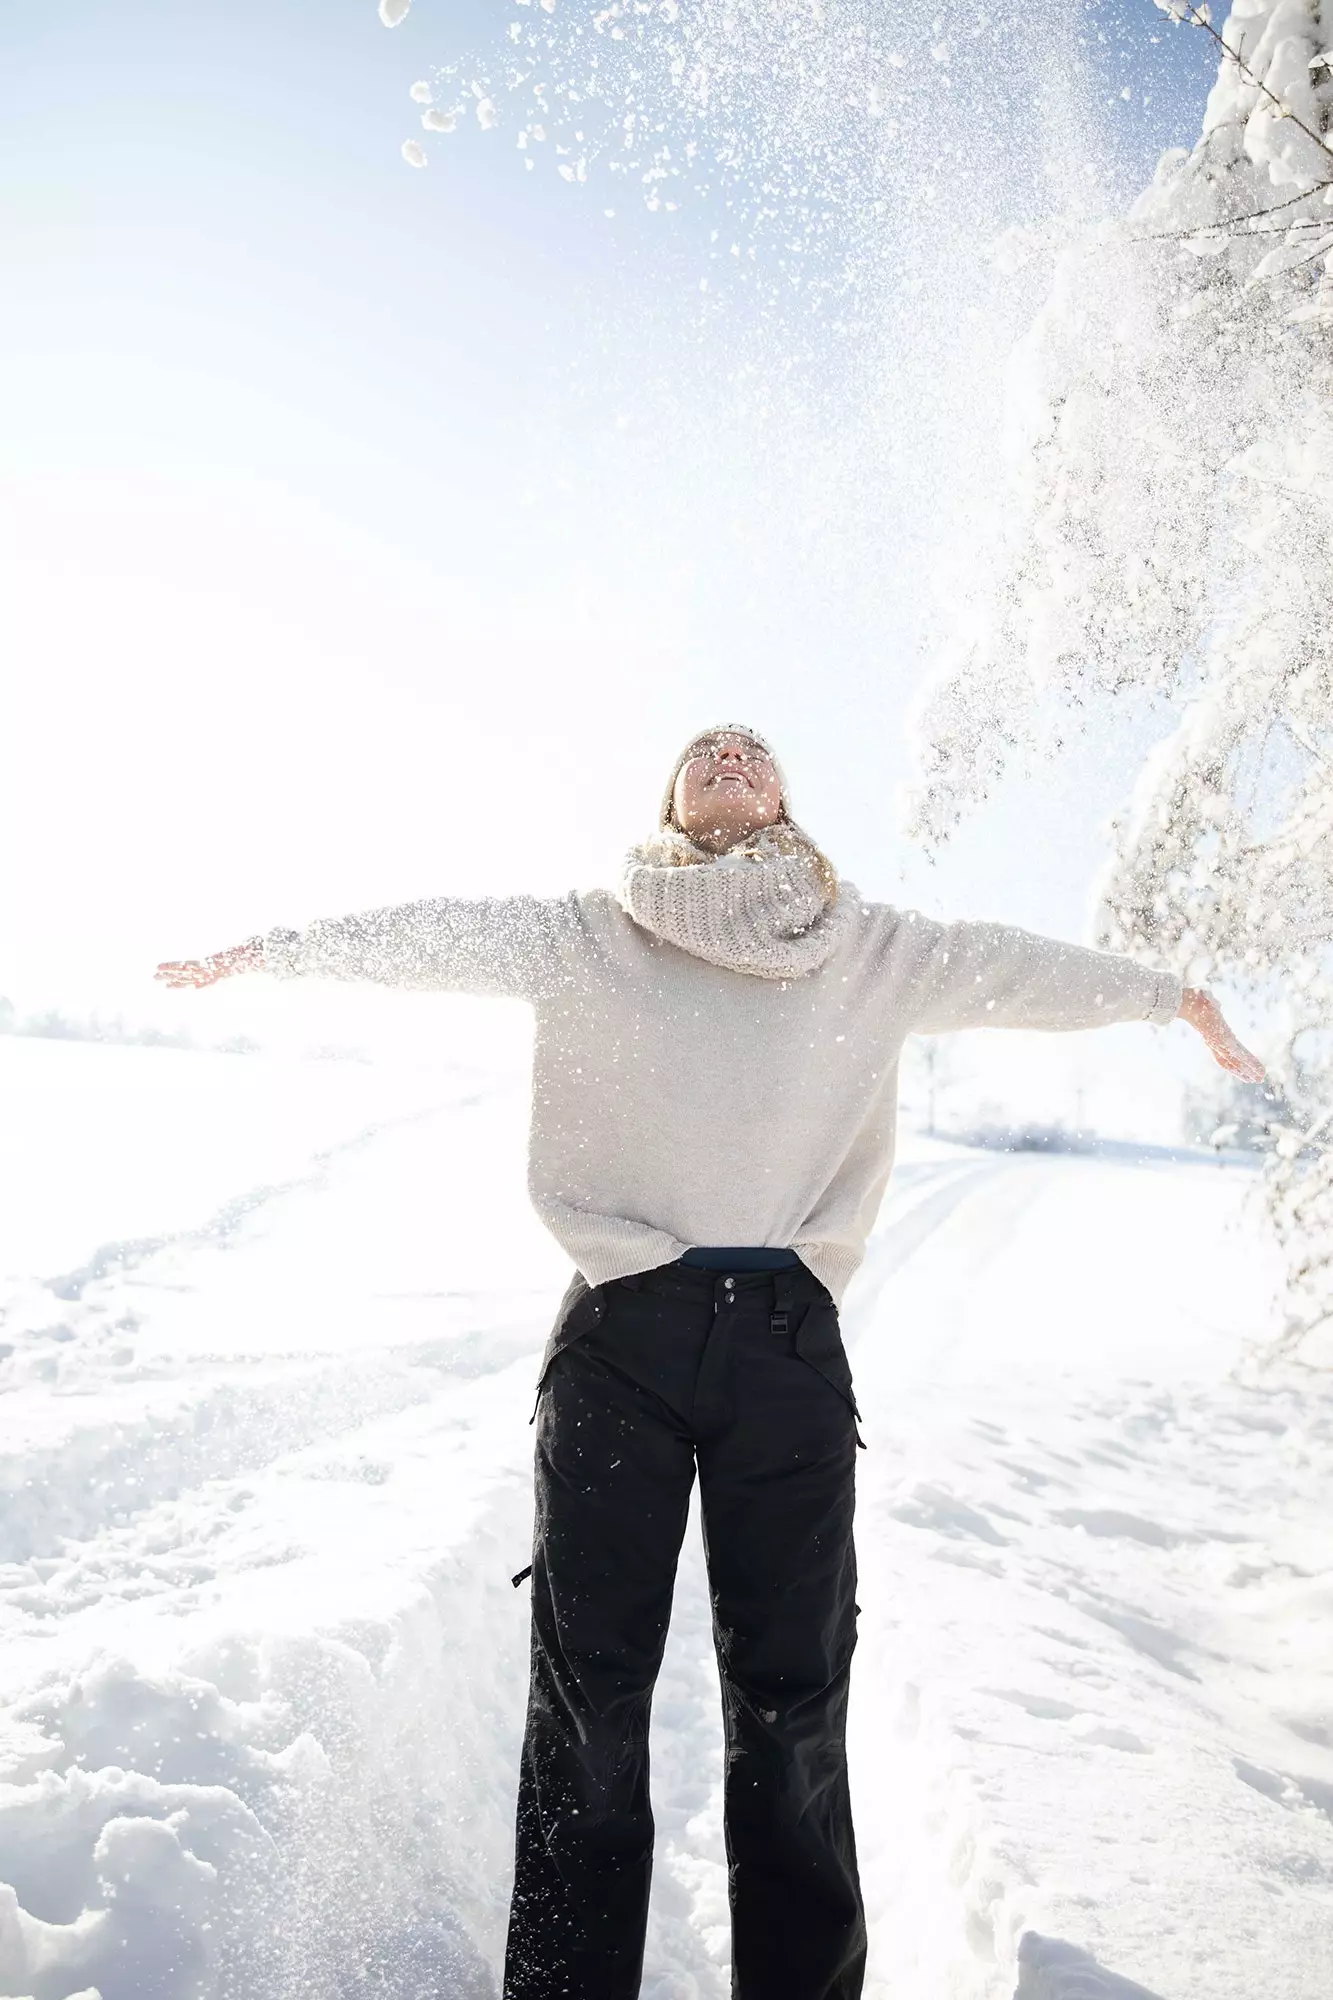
727, 1259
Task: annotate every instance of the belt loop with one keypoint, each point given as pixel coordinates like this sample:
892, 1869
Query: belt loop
783, 1301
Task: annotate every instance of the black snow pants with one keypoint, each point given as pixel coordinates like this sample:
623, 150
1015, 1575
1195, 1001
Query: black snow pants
746, 1376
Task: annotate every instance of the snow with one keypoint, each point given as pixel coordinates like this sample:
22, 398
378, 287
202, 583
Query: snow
267, 1479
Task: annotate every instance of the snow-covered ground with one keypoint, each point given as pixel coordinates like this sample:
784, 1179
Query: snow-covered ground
269, 1343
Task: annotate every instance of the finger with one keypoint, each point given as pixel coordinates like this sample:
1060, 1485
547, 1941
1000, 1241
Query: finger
1247, 1064
1241, 1063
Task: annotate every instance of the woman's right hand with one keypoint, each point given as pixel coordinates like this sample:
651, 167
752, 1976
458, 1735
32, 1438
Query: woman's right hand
247, 957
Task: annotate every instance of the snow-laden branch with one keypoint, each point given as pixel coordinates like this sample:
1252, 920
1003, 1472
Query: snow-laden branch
1172, 538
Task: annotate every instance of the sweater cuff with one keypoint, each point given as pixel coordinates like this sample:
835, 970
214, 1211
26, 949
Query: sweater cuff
282, 953
1170, 993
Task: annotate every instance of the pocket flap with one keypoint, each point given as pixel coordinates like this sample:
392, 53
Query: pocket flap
819, 1342
580, 1309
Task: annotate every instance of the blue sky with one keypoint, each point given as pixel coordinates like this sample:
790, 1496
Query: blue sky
377, 532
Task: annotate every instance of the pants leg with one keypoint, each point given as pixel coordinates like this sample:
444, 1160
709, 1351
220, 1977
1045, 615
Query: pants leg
777, 1486
614, 1470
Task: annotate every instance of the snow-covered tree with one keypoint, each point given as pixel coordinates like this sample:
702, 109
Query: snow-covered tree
1172, 540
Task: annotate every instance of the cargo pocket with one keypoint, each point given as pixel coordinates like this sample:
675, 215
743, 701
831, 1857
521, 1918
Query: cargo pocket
581, 1309
818, 1341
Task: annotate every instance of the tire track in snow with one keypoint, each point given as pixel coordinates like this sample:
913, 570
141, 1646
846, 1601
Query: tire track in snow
230, 1218
911, 1215
76, 1462
226, 1223
156, 1444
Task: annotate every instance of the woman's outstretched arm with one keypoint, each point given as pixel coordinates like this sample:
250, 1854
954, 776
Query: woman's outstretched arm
514, 945
976, 975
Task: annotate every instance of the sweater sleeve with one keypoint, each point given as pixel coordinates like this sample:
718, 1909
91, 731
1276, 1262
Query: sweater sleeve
496, 945
994, 976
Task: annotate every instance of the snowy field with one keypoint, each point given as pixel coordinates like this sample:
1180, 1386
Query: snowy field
269, 1345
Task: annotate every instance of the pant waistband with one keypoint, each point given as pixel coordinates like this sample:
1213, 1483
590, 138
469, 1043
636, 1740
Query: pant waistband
722, 1258
772, 1291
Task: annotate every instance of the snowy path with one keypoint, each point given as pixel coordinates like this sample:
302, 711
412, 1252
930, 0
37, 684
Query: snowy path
265, 1477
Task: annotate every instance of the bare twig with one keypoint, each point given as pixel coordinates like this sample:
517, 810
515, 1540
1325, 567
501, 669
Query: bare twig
1233, 226
1274, 207
1272, 277
1302, 742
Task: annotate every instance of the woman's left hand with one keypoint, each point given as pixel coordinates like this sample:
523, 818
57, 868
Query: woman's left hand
1203, 1014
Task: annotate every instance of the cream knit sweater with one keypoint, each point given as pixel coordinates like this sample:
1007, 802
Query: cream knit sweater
716, 1056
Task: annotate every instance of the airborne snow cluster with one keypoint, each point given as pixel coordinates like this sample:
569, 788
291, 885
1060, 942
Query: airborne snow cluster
778, 116
1172, 418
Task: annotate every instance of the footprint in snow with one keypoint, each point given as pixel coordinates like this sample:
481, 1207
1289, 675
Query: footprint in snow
931, 1507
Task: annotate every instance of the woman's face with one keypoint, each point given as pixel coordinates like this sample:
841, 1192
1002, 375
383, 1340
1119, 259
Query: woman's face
726, 789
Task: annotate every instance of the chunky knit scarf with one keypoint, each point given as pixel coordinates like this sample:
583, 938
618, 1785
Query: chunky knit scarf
769, 907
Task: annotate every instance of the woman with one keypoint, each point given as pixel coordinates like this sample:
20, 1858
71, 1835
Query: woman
714, 1096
